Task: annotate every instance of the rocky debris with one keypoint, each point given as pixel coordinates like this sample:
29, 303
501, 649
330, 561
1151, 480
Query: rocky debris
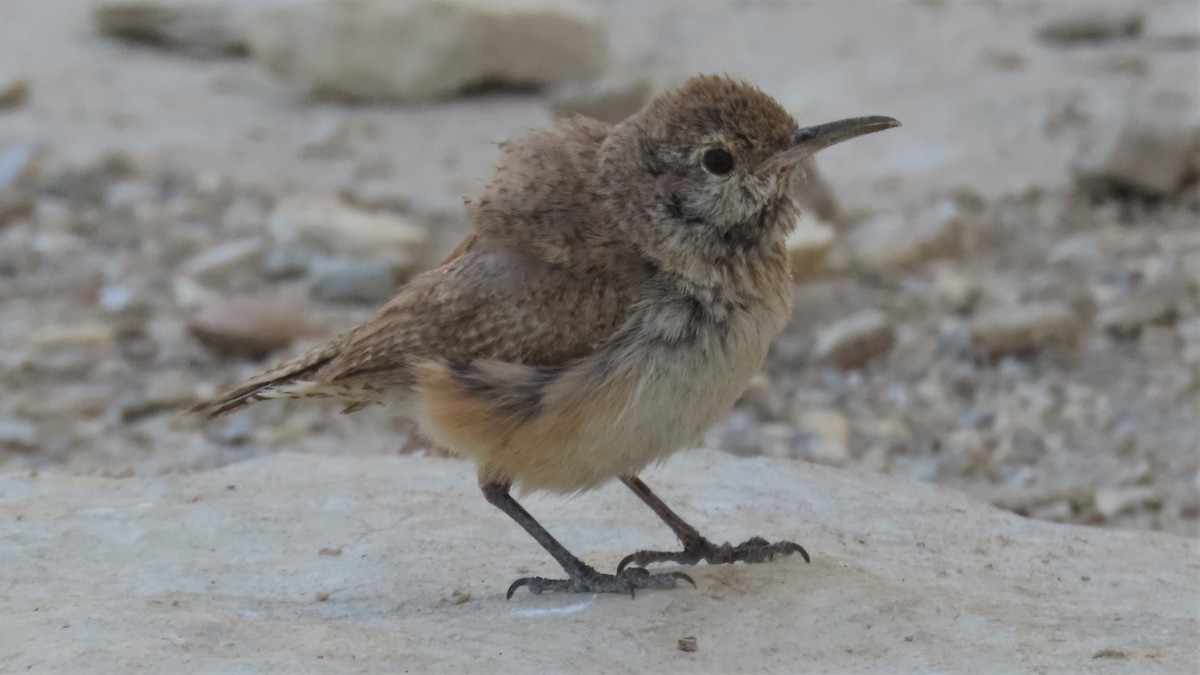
764, 399
14, 91
893, 242
328, 139
827, 434
163, 391
89, 181
359, 282
245, 214
814, 194
743, 435
378, 194
1158, 344
956, 289
202, 28
1173, 24
853, 341
1004, 331
1111, 502
1151, 151
17, 434
218, 262
1158, 304
331, 226
610, 99
14, 204
808, 246
1093, 23
250, 327
371, 51
287, 260
87, 334
234, 430
903, 551
21, 165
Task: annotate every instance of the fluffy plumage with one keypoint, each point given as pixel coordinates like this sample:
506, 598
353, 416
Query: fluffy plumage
614, 300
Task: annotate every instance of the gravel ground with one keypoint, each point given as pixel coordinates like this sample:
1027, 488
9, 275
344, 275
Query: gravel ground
988, 318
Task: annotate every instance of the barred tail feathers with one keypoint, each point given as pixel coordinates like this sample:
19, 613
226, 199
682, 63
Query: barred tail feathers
283, 381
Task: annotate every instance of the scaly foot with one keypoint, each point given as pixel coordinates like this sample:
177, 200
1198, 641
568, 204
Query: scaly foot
753, 550
589, 580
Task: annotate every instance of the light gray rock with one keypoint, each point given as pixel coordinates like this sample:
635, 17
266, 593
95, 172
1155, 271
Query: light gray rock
808, 246
421, 49
1094, 23
291, 563
1150, 151
331, 226
251, 327
1157, 304
893, 242
17, 434
1111, 502
287, 260
1174, 24
14, 90
853, 341
218, 262
828, 435
814, 194
14, 204
610, 99
357, 282
21, 165
1011, 330
378, 194
330, 138
195, 27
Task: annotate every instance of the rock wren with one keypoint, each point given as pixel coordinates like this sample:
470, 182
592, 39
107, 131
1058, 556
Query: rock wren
622, 285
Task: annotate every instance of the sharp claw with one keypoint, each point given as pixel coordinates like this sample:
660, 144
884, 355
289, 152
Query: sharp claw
625, 561
515, 585
804, 554
681, 575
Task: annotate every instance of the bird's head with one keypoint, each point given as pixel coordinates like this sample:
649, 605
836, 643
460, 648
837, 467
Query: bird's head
700, 177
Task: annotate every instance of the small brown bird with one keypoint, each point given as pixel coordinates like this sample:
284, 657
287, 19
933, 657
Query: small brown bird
622, 285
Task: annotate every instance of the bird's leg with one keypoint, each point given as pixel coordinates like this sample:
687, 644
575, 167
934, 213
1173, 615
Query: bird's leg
695, 546
581, 578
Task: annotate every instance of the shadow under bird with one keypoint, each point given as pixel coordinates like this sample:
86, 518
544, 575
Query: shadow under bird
622, 285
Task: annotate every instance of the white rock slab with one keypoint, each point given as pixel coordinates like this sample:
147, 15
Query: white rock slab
312, 564
419, 49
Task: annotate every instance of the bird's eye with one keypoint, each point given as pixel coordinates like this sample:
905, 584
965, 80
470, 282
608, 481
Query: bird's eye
718, 161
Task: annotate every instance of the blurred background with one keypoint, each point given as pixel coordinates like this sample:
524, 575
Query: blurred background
1000, 297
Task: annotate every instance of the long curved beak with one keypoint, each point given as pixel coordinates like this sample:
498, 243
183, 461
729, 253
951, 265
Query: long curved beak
807, 141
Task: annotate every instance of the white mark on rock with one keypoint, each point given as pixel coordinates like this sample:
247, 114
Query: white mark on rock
556, 611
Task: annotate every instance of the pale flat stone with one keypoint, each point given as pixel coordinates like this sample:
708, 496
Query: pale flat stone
611, 99
893, 242
14, 90
218, 262
808, 247
332, 226
420, 49
309, 564
1174, 25
251, 327
853, 341
196, 27
1011, 330
1151, 150
1092, 23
